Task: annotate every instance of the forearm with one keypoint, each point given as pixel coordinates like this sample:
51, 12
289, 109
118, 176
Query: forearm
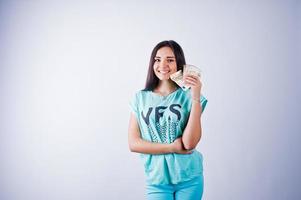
193, 131
143, 146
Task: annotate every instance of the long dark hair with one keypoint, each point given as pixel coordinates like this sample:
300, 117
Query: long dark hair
152, 80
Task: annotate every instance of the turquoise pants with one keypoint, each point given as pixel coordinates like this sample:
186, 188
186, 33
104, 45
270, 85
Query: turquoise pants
188, 190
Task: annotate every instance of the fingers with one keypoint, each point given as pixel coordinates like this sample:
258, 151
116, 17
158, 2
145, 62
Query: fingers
192, 77
191, 80
189, 152
186, 152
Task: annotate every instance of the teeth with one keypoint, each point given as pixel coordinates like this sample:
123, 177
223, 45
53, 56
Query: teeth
164, 72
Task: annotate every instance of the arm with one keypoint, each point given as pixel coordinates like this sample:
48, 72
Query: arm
193, 131
137, 144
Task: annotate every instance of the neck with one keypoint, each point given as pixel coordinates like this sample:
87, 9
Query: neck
165, 87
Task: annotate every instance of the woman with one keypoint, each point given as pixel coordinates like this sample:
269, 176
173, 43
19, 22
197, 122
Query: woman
165, 127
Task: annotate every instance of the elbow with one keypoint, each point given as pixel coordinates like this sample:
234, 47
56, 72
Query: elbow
133, 145
189, 146
191, 138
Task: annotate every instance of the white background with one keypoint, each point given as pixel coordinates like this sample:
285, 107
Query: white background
68, 70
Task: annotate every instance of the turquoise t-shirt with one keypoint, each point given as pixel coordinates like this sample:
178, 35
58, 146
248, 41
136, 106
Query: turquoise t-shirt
162, 119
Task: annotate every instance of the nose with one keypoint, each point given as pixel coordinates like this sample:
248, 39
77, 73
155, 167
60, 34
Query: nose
163, 64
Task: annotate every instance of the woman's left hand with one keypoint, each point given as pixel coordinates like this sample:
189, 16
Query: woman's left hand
196, 85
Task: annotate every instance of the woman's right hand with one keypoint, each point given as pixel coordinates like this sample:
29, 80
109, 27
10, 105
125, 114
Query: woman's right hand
178, 147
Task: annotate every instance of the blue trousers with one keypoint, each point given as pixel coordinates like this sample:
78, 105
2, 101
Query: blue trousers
188, 190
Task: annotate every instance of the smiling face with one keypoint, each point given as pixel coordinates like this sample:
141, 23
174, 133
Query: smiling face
165, 63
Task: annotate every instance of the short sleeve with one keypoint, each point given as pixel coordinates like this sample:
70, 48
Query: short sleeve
203, 102
134, 105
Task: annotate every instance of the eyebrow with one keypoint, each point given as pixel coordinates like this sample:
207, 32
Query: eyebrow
166, 57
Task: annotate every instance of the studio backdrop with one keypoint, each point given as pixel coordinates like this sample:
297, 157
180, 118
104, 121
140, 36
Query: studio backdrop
68, 70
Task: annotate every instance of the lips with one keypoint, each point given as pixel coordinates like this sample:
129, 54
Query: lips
164, 72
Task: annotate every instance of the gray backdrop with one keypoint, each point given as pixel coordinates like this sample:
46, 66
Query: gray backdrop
69, 69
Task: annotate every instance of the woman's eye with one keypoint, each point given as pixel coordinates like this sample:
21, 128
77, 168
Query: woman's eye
170, 60
157, 60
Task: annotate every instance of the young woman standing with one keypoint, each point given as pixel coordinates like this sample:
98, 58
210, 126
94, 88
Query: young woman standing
165, 127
